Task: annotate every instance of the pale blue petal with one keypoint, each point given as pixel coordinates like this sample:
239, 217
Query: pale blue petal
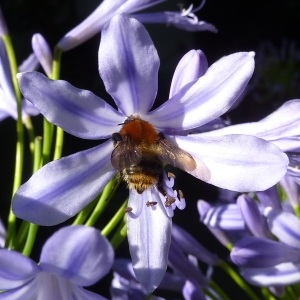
193, 291
128, 65
225, 217
282, 127
191, 67
281, 275
63, 187
270, 197
255, 222
255, 252
43, 53
149, 238
284, 225
209, 97
29, 64
292, 189
95, 21
236, 162
77, 253
177, 19
49, 287
15, 269
79, 112
180, 263
190, 245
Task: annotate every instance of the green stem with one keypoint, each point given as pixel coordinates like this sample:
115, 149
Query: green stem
297, 211
47, 141
218, 290
102, 203
33, 228
267, 294
119, 236
29, 126
238, 279
56, 63
115, 220
11, 228
21, 236
55, 75
58, 143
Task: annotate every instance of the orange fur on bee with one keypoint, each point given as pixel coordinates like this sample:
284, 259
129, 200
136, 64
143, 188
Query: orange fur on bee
140, 131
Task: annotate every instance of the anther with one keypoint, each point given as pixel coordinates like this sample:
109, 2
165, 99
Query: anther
180, 194
151, 203
170, 201
171, 175
128, 209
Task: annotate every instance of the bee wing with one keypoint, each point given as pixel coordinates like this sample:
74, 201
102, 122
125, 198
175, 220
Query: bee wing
125, 154
168, 153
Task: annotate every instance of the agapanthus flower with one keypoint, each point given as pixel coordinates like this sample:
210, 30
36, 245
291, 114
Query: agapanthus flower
73, 257
8, 102
128, 65
269, 262
186, 19
94, 23
125, 285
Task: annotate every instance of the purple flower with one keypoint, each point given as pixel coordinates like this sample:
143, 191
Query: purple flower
72, 257
269, 262
186, 19
94, 23
128, 65
8, 103
282, 127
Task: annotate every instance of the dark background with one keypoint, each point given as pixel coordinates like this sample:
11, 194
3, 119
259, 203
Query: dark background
265, 27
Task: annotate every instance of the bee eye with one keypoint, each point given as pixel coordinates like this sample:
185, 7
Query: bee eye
116, 137
161, 135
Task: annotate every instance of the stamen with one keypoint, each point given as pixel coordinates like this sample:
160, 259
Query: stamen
151, 203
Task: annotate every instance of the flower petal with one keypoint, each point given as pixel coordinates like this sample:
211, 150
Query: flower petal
95, 21
270, 197
128, 65
193, 291
255, 222
177, 19
182, 265
15, 269
282, 275
149, 238
255, 252
284, 225
236, 162
282, 127
190, 245
209, 97
225, 217
79, 112
43, 53
191, 67
77, 253
63, 187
